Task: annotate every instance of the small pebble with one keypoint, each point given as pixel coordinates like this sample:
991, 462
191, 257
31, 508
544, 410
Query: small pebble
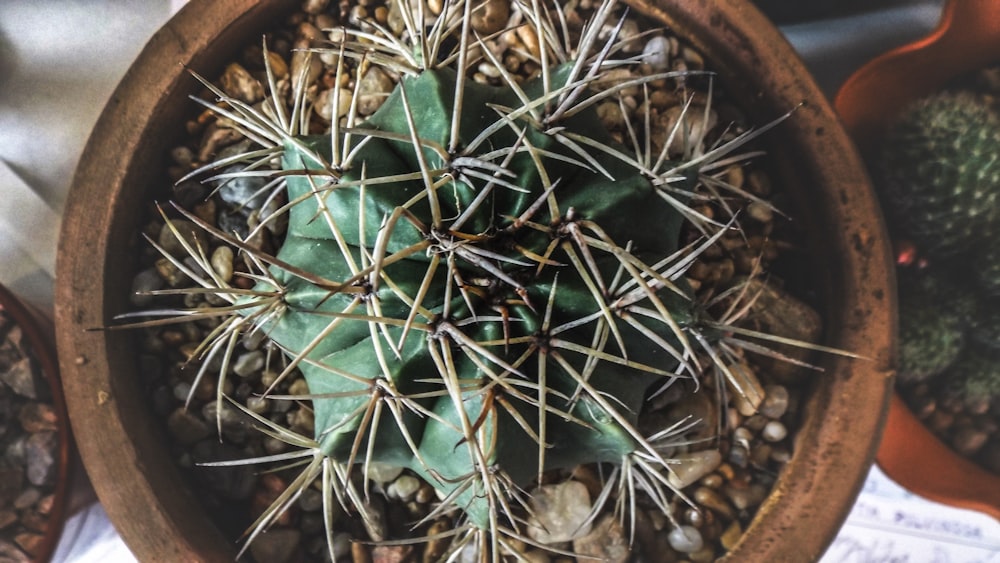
192, 235
686, 539
774, 431
222, 263
383, 472
276, 545
374, 89
775, 401
315, 6
605, 542
404, 488
37, 417
689, 468
249, 363
656, 53
324, 106
711, 499
145, 281
239, 84
187, 428
560, 512
490, 16
40, 453
391, 553
969, 440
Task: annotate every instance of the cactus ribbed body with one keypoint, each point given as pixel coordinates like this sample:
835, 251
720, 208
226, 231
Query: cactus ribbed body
941, 172
492, 300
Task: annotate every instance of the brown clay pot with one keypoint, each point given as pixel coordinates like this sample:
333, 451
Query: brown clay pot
125, 453
38, 335
968, 38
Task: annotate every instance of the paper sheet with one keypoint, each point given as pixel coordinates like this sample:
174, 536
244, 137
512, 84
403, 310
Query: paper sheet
890, 524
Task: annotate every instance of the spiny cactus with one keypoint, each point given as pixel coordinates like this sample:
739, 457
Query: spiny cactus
477, 282
934, 313
940, 170
984, 262
985, 326
975, 377
930, 340
940, 283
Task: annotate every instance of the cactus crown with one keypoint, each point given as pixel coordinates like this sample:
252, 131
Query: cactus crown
478, 283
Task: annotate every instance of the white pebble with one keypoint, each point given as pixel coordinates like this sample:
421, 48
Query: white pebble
560, 512
775, 401
693, 466
403, 488
686, 539
656, 53
774, 431
222, 263
383, 472
249, 363
324, 103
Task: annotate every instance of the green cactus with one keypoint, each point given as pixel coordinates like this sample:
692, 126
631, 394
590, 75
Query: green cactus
985, 266
934, 312
940, 170
984, 329
478, 282
942, 284
470, 314
930, 340
975, 377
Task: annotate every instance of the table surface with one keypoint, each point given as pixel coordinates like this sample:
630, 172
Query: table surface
61, 59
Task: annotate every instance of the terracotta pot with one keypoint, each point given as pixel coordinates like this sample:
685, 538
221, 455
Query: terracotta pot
39, 338
968, 38
126, 455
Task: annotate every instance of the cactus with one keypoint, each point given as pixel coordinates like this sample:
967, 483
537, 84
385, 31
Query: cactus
478, 282
456, 289
940, 170
985, 265
974, 380
984, 329
934, 313
940, 283
930, 340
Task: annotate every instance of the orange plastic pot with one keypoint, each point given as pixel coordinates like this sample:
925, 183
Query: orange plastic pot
968, 38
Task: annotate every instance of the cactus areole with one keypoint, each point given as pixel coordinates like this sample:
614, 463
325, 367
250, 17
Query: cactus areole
478, 308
